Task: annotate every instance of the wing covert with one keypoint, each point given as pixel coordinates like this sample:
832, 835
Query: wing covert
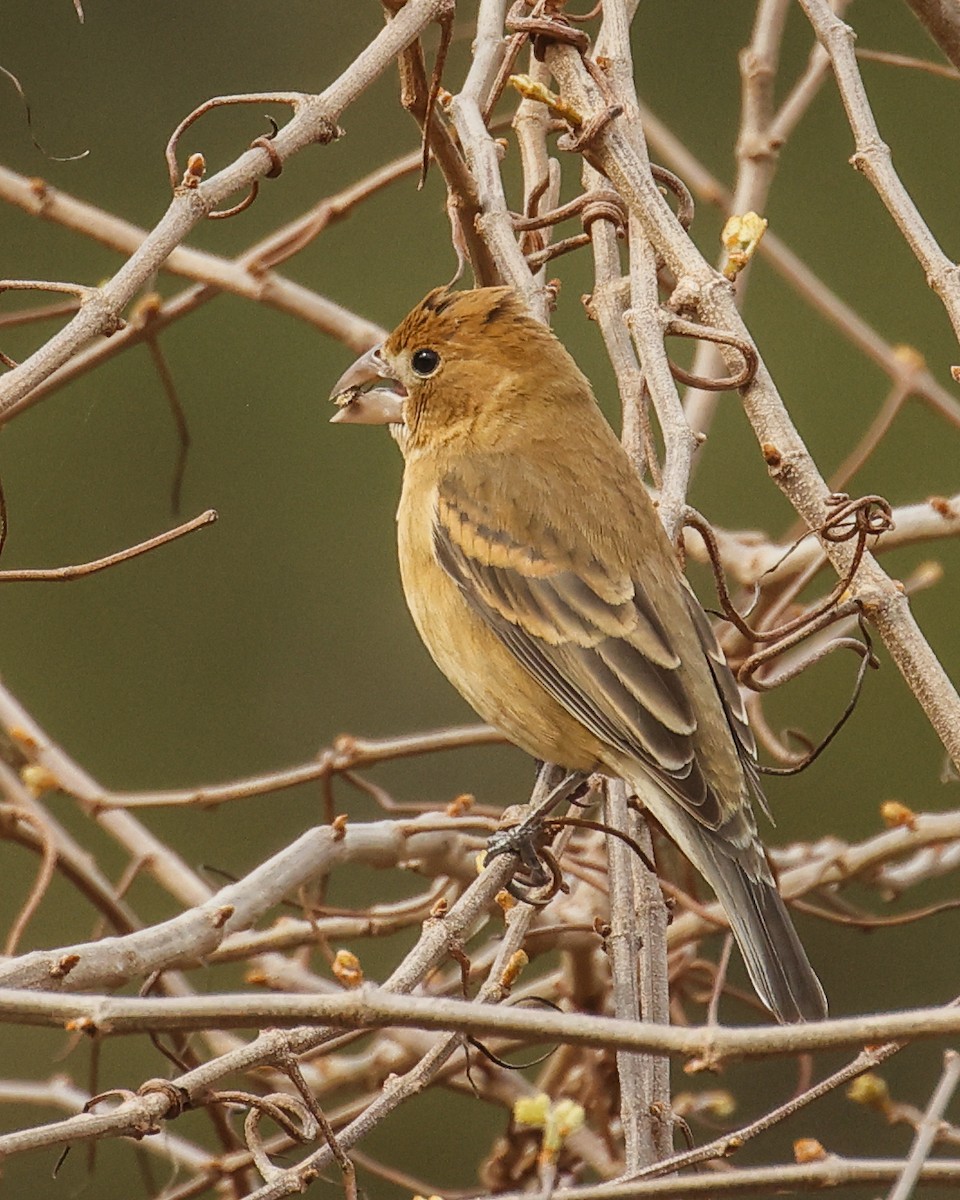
594, 643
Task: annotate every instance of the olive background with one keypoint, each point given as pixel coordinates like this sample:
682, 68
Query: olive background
249, 645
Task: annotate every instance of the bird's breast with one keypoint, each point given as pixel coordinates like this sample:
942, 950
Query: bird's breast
485, 673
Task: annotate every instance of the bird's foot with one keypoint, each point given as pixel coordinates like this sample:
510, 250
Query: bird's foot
537, 870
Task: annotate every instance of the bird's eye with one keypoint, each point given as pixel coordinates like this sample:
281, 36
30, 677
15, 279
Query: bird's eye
424, 362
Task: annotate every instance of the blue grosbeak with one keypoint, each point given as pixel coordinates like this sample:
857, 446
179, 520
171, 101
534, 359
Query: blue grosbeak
545, 588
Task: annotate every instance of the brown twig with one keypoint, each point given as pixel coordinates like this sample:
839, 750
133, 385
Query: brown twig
45, 873
62, 574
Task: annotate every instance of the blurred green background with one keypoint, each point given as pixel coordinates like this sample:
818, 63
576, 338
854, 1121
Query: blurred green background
250, 645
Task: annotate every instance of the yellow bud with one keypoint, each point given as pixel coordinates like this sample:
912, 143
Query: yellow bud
532, 1110
569, 1116
529, 89
869, 1090
896, 815
808, 1150
740, 237
557, 1121
511, 972
346, 967
505, 900
460, 804
38, 779
909, 356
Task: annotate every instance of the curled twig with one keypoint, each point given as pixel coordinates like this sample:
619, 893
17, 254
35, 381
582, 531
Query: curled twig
686, 209
867, 660
679, 327
542, 28
602, 827
294, 99
502, 1062
590, 206
29, 116
867, 517
44, 840
292, 1069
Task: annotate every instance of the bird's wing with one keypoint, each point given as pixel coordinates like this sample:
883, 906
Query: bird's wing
586, 631
730, 697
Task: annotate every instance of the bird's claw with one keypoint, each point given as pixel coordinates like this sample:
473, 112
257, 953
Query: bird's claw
537, 868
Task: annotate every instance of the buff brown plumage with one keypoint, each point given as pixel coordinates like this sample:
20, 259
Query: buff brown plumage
543, 584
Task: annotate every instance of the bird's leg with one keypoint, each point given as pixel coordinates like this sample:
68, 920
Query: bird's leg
528, 839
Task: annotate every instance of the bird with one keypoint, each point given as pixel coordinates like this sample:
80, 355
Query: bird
543, 584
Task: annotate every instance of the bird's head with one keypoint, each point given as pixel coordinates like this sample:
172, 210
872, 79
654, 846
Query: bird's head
459, 363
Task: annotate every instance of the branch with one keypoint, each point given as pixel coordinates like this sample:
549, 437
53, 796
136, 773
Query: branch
928, 1128
59, 574
314, 120
804, 281
483, 158
788, 460
872, 156
186, 940
370, 1007
749, 557
941, 20
146, 1109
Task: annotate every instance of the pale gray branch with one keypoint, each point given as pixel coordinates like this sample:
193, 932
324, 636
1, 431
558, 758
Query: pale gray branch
788, 460
314, 120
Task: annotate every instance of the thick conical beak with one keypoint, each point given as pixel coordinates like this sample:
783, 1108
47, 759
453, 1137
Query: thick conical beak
358, 404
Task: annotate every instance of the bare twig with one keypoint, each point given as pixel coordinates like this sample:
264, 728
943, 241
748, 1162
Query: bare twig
800, 276
61, 574
314, 121
942, 22
371, 1008
872, 157
788, 461
927, 1131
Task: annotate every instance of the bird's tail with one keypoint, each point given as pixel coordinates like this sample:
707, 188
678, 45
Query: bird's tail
775, 958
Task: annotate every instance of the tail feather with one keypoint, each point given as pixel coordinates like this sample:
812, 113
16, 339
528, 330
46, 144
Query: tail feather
775, 958
733, 862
